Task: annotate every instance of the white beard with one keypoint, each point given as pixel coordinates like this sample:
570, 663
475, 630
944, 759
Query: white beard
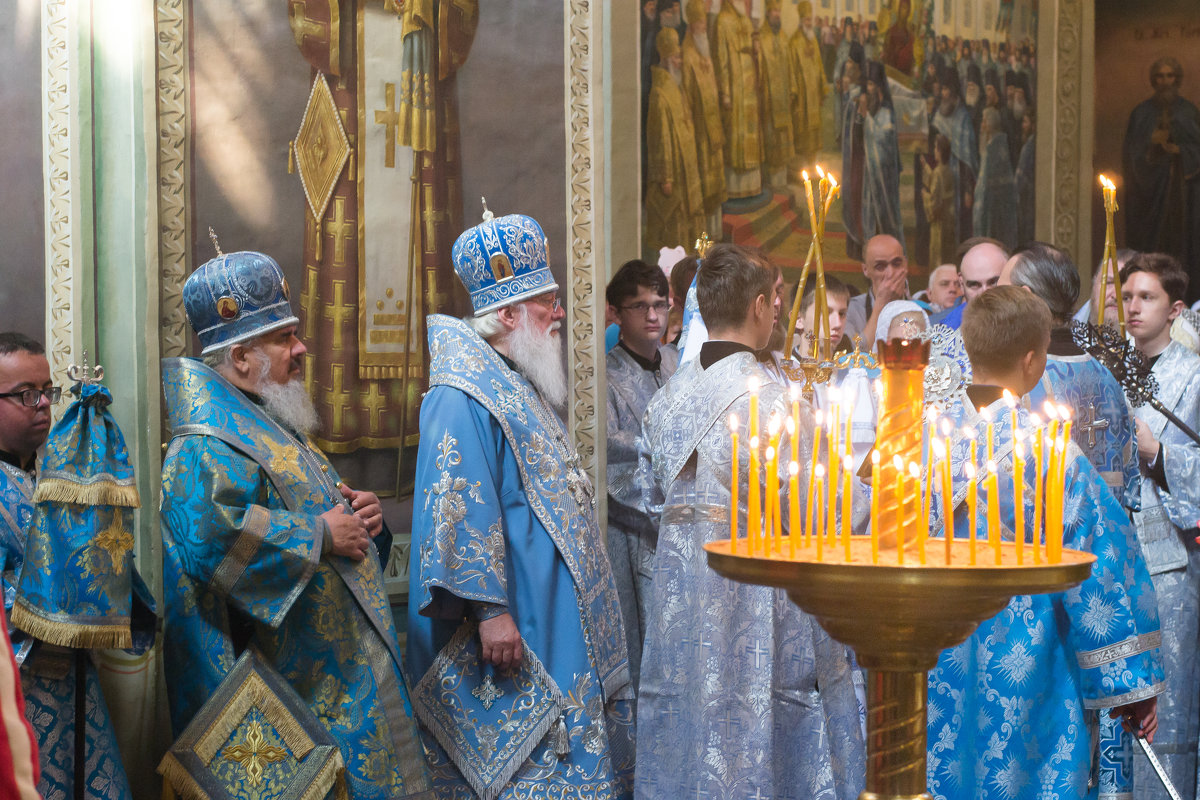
972, 94
1018, 108
700, 40
676, 74
539, 358
287, 403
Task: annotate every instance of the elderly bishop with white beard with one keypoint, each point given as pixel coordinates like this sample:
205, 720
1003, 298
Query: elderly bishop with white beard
516, 642
266, 550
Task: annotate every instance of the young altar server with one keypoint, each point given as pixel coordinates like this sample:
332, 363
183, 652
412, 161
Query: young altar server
1006, 707
742, 694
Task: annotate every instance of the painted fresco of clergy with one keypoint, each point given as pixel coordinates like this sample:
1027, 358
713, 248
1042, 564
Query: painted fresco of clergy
994, 212
674, 197
516, 644
775, 85
702, 99
881, 158
742, 694
263, 544
808, 88
47, 672
1007, 708
735, 61
952, 120
636, 368
1153, 286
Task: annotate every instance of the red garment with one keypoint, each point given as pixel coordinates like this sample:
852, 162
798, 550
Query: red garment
18, 748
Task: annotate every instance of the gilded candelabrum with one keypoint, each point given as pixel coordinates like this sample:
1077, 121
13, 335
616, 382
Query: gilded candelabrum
897, 615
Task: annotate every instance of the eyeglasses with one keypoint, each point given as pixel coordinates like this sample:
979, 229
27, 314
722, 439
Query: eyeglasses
553, 304
660, 307
31, 397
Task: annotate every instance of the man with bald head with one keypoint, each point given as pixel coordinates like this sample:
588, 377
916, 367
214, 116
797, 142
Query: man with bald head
980, 261
886, 267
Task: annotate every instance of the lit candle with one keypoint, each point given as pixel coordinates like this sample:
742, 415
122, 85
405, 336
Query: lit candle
898, 463
1019, 501
942, 450
972, 495
1109, 260
733, 485
875, 490
1052, 496
993, 509
986, 413
774, 428
809, 529
927, 488
847, 491
819, 479
793, 506
914, 470
754, 521
769, 517
834, 465
1037, 487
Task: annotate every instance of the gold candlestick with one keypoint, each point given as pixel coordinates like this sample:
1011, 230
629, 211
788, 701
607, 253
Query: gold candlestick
1110, 256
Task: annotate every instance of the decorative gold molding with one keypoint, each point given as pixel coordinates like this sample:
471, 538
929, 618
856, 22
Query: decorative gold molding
61, 201
173, 178
585, 234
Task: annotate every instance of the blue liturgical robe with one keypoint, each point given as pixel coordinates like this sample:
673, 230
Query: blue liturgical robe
1167, 531
48, 674
243, 564
742, 694
964, 161
505, 521
1007, 706
881, 176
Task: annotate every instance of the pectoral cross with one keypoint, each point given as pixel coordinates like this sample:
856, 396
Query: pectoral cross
389, 118
1092, 424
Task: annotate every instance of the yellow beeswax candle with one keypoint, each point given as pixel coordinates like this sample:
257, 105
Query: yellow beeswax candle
847, 491
898, 463
1019, 500
793, 506
819, 480
754, 485
809, 529
993, 509
1038, 476
876, 489
914, 471
941, 450
970, 474
733, 485
771, 519
834, 465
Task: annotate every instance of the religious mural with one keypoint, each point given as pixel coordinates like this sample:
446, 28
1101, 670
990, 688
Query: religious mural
923, 109
1148, 127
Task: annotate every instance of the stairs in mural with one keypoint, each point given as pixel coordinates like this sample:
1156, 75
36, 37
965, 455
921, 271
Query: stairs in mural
780, 228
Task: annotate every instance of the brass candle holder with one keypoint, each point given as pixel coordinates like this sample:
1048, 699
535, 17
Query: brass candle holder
898, 619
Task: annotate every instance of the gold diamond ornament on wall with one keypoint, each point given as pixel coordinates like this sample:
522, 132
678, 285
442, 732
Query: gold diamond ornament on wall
322, 147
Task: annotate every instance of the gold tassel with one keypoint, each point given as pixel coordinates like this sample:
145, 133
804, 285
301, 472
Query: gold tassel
103, 493
291, 157
318, 237
178, 777
69, 634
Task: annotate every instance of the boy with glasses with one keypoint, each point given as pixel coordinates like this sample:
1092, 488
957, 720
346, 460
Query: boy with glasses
637, 367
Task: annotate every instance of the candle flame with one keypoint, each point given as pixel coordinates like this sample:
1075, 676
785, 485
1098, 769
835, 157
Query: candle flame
794, 392
1036, 420
1051, 410
875, 457
733, 422
986, 413
820, 171
968, 432
898, 462
833, 181
773, 424
793, 468
849, 469
753, 385
1009, 399
1103, 180
946, 426
914, 469
819, 472
991, 466
770, 453
1064, 412
1019, 450
969, 470
804, 175
1019, 434
754, 441
790, 424
939, 449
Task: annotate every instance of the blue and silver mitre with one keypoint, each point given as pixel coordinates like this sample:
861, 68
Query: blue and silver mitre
503, 261
236, 297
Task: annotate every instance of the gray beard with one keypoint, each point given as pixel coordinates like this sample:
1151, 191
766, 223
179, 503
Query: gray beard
676, 73
700, 40
1018, 108
538, 356
287, 403
972, 93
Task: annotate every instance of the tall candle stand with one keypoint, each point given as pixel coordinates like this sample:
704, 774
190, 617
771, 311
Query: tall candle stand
899, 616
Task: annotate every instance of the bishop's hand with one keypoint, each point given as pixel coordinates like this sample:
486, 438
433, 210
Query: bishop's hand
1140, 718
500, 641
348, 532
366, 507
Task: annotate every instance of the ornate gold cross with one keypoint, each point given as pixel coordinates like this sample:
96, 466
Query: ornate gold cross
338, 398
390, 118
339, 312
342, 230
254, 753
